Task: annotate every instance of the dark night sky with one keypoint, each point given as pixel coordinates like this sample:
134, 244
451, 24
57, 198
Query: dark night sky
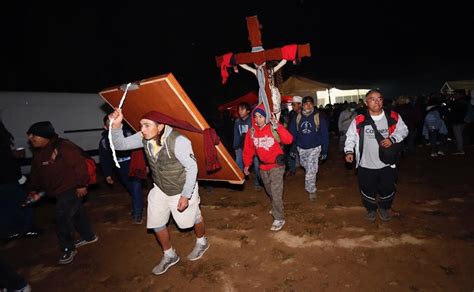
86, 47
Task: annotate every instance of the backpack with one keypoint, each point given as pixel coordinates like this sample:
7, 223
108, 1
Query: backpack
316, 120
274, 132
90, 163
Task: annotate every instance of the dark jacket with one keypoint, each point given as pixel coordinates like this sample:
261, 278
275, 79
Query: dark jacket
68, 171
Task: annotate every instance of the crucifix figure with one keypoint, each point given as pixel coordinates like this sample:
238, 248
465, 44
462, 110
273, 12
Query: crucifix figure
268, 93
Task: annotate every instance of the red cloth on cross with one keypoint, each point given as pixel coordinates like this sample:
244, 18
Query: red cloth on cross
224, 65
289, 52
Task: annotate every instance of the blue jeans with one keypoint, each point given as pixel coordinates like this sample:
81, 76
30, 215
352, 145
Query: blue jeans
134, 187
13, 217
256, 164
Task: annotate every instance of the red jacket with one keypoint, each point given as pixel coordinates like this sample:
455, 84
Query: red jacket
261, 142
68, 171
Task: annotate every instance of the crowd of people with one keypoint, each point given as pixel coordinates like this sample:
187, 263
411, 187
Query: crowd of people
368, 132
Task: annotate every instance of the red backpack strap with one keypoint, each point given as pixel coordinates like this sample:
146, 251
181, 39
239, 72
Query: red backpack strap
392, 121
359, 121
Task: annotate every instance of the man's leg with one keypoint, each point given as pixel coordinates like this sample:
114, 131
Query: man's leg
163, 237
170, 257
368, 190
309, 160
386, 187
67, 206
276, 187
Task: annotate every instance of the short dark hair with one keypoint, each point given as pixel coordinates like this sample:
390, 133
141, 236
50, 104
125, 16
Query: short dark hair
308, 98
374, 90
105, 119
245, 105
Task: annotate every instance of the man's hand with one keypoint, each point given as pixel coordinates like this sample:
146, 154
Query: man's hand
182, 203
109, 180
117, 116
385, 143
81, 192
246, 170
349, 157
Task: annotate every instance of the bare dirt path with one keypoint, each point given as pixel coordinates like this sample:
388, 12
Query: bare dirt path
324, 246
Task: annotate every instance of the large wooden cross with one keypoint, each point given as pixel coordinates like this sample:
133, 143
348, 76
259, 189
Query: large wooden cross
260, 56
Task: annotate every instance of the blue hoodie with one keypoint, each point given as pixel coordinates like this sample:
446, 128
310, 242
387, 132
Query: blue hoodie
308, 136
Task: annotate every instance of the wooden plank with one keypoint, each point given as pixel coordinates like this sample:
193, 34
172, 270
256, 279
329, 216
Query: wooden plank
164, 94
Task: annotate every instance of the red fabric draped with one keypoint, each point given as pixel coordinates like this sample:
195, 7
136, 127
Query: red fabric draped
210, 137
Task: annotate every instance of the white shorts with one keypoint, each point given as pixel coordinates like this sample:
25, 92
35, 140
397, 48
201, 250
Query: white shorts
160, 205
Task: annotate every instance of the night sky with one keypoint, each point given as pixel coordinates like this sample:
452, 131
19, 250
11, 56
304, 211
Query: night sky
76, 46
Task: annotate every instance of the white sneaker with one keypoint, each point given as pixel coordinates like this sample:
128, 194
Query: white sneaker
441, 153
434, 154
198, 251
277, 225
165, 264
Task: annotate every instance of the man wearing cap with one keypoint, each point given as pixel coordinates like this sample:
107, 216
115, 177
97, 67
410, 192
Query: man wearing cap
263, 140
292, 152
312, 141
59, 169
174, 170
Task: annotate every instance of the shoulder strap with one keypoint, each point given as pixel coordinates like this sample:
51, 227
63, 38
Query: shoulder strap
316, 120
371, 122
298, 119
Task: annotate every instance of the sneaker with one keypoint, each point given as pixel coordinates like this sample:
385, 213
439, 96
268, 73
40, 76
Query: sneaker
434, 154
371, 216
384, 214
312, 197
81, 242
165, 264
198, 251
277, 225
137, 220
441, 153
459, 153
67, 257
27, 288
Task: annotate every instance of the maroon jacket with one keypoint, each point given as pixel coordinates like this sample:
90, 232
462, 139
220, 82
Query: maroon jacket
68, 171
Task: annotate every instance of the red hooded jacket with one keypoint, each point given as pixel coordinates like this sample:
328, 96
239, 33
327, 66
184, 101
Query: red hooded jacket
261, 142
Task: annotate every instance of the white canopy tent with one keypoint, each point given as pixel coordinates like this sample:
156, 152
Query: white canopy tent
450, 86
323, 92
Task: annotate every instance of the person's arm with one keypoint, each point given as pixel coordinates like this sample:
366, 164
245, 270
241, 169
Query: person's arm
285, 136
73, 158
120, 142
401, 131
105, 158
236, 142
185, 155
248, 151
351, 138
126, 143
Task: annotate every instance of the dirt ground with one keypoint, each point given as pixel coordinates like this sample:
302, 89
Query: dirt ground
324, 246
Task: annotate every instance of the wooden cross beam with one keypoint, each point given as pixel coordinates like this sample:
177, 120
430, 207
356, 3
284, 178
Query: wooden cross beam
259, 55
